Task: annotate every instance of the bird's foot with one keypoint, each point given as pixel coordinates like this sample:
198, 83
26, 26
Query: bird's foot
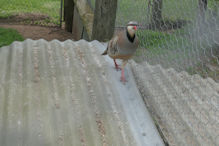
123, 80
118, 68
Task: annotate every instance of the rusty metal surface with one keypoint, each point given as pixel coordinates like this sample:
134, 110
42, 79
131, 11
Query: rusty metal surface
66, 93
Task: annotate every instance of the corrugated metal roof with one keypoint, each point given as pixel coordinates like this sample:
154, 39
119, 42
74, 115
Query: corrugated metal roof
66, 93
185, 107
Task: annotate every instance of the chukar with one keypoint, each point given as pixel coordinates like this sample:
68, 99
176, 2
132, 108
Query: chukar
123, 46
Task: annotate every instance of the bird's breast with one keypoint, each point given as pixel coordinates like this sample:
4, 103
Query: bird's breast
127, 50
123, 57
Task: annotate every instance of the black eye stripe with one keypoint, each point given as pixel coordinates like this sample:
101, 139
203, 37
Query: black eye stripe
132, 25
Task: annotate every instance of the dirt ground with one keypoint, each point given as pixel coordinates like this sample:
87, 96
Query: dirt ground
28, 30
40, 32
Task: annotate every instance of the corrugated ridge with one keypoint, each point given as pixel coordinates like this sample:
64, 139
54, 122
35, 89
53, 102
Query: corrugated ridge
11, 116
4, 52
156, 97
131, 103
194, 99
206, 98
186, 106
66, 93
104, 124
194, 94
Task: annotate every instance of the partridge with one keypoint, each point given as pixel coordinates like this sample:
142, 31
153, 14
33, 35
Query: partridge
123, 46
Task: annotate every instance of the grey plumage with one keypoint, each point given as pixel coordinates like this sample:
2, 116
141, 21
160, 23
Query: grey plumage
123, 46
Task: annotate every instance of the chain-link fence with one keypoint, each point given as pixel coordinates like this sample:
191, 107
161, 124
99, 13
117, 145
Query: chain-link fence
40, 12
91, 3
184, 35
174, 33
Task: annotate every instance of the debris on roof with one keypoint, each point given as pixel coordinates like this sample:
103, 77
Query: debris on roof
66, 93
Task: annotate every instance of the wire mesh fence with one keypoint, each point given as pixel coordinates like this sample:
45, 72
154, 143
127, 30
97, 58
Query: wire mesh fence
40, 12
91, 3
183, 35
180, 34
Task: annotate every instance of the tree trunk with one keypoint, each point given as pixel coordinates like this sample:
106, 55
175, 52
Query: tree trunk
157, 13
68, 14
202, 9
203, 5
65, 5
104, 19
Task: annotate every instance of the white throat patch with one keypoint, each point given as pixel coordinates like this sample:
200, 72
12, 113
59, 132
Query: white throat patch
131, 31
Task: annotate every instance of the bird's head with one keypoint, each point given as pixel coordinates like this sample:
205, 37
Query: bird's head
132, 27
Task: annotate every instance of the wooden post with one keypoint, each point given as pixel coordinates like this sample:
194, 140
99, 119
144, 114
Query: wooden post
68, 14
104, 19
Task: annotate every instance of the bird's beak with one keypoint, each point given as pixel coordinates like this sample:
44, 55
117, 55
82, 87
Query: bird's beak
135, 27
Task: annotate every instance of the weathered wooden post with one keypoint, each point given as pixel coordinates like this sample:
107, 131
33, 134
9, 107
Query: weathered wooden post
68, 14
82, 20
104, 19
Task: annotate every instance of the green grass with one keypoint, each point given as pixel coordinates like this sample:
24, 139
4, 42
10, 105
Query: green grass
138, 10
155, 43
178, 9
7, 36
131, 10
47, 7
159, 42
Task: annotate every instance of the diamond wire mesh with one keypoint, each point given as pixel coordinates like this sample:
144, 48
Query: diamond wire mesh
184, 36
91, 3
174, 33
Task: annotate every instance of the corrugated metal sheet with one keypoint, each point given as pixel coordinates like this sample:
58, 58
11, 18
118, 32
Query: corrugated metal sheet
185, 107
66, 93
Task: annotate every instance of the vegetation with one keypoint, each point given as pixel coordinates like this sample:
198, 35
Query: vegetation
140, 11
7, 36
174, 42
175, 15
155, 43
178, 44
47, 7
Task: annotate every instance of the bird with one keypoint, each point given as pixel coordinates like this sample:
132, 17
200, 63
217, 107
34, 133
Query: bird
123, 45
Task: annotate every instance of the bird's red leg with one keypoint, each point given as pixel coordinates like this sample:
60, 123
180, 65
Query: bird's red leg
122, 79
116, 65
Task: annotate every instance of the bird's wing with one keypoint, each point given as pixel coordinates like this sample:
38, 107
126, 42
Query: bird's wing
113, 46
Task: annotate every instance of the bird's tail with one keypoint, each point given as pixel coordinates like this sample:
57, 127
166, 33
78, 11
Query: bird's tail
105, 52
